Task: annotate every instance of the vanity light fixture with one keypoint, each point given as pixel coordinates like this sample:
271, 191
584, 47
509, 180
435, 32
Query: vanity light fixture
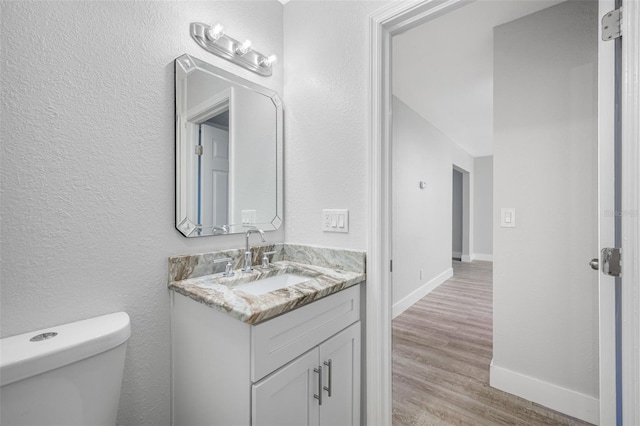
268, 61
244, 48
213, 39
215, 33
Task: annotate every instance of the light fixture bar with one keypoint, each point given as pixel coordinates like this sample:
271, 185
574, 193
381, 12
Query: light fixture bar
214, 40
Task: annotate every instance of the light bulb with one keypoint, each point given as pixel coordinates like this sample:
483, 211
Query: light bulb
243, 48
216, 32
268, 61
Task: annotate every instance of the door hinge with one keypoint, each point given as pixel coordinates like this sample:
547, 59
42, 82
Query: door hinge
390, 265
612, 261
611, 25
199, 149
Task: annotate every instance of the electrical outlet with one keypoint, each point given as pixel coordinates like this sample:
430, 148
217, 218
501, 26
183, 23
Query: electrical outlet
326, 220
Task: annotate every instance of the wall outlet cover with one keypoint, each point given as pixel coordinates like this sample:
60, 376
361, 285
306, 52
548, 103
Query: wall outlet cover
335, 220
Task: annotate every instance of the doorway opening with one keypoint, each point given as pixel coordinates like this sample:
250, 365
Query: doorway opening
461, 214
496, 88
396, 18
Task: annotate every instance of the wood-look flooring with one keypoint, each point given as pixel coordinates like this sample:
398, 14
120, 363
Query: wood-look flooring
442, 348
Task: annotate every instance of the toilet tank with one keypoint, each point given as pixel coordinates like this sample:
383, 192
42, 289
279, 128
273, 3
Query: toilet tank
65, 375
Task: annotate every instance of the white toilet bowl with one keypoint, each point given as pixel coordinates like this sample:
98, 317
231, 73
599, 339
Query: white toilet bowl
65, 375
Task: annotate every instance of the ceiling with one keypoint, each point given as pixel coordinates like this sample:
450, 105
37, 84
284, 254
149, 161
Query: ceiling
443, 69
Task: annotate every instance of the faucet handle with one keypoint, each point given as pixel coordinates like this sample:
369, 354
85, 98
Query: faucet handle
228, 270
265, 259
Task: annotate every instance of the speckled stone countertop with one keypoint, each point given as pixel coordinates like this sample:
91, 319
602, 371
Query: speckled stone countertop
329, 271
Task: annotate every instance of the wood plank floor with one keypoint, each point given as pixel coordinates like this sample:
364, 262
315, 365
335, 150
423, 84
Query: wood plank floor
442, 348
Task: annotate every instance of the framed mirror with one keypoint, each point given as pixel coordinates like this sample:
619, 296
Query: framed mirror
229, 142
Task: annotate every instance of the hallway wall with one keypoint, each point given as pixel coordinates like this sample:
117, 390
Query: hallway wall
545, 154
483, 208
422, 218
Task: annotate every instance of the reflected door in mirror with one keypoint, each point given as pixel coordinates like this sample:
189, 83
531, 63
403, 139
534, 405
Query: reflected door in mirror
213, 191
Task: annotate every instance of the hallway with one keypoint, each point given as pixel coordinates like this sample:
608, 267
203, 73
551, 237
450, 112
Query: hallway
442, 348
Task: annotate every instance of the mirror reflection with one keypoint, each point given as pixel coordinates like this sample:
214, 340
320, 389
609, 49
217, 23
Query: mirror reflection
228, 152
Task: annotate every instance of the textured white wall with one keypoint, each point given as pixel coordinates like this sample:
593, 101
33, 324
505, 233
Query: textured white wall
483, 205
545, 165
87, 132
422, 218
326, 107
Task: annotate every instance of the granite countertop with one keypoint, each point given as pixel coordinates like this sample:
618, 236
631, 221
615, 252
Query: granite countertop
220, 293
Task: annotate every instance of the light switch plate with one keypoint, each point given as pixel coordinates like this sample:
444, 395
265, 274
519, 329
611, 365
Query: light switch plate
248, 217
507, 217
335, 220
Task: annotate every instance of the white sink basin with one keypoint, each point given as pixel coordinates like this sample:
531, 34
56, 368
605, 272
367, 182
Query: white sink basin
270, 284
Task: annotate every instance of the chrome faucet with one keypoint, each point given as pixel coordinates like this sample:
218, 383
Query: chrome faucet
224, 229
247, 252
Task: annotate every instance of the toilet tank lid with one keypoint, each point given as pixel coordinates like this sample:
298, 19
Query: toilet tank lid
21, 358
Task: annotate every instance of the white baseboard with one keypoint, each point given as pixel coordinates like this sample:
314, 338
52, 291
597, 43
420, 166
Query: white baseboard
480, 256
466, 258
426, 288
456, 254
567, 401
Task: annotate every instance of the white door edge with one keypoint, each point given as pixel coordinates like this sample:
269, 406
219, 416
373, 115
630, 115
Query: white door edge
631, 212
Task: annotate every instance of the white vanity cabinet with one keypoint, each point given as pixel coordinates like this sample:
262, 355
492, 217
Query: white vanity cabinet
227, 372
321, 387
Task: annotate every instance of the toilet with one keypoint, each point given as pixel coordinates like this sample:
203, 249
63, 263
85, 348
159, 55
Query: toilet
65, 375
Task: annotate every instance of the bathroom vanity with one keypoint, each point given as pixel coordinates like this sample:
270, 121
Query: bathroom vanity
287, 355
269, 346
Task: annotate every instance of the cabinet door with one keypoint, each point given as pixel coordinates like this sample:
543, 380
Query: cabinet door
342, 351
286, 396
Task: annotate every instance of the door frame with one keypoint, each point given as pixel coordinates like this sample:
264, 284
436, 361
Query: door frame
395, 18
467, 254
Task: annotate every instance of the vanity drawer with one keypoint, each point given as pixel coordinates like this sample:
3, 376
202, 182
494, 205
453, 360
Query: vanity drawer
280, 340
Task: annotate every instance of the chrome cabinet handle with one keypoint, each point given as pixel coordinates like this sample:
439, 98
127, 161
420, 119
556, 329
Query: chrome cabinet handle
328, 388
319, 395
